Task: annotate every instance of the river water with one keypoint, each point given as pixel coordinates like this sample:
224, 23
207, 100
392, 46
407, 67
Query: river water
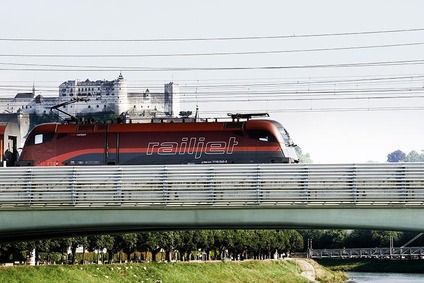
360, 277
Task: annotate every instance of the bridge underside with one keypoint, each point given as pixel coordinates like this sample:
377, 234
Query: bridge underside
37, 224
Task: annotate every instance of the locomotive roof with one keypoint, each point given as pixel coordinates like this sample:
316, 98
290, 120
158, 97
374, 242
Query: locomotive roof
152, 127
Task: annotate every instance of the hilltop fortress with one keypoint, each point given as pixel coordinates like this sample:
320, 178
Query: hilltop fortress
104, 96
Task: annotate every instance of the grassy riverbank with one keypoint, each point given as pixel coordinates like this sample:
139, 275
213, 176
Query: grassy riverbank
374, 265
246, 271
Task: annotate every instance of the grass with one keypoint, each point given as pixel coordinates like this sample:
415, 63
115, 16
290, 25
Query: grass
374, 265
246, 271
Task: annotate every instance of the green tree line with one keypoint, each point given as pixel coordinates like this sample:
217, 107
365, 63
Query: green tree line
337, 239
198, 244
400, 156
170, 245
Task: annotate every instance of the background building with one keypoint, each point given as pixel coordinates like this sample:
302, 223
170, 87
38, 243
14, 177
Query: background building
113, 96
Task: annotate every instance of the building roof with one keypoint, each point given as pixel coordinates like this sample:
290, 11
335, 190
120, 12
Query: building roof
28, 95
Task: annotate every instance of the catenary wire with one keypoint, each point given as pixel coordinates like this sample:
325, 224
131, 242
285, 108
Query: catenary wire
210, 53
181, 69
218, 38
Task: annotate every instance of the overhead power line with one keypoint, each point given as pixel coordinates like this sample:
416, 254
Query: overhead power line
211, 53
215, 38
293, 99
252, 83
322, 109
55, 67
283, 86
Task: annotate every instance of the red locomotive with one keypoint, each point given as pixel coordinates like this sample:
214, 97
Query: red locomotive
164, 142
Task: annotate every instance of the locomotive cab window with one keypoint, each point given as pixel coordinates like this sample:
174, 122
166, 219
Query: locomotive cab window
284, 133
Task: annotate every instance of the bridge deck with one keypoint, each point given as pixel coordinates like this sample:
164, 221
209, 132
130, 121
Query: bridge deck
65, 200
388, 184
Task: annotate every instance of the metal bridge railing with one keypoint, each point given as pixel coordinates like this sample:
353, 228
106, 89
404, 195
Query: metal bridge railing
265, 185
386, 252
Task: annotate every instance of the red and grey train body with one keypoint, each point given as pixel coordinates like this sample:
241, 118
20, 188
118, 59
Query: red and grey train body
251, 141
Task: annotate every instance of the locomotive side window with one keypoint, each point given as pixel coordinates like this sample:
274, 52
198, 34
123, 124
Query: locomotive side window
38, 139
266, 136
261, 135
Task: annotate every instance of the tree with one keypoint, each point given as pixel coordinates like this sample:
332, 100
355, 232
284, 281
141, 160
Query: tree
168, 241
185, 114
186, 244
295, 241
101, 242
127, 243
254, 244
333, 239
396, 156
313, 235
75, 243
220, 240
15, 251
370, 238
151, 242
268, 242
303, 158
414, 156
205, 241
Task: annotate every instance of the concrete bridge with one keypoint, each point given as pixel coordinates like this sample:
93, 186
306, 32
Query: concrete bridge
38, 202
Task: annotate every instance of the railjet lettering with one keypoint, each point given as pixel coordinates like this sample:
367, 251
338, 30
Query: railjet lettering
196, 146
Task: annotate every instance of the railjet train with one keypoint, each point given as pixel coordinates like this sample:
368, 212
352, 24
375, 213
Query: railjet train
240, 140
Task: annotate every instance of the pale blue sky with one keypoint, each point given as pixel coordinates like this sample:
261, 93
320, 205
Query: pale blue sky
335, 136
